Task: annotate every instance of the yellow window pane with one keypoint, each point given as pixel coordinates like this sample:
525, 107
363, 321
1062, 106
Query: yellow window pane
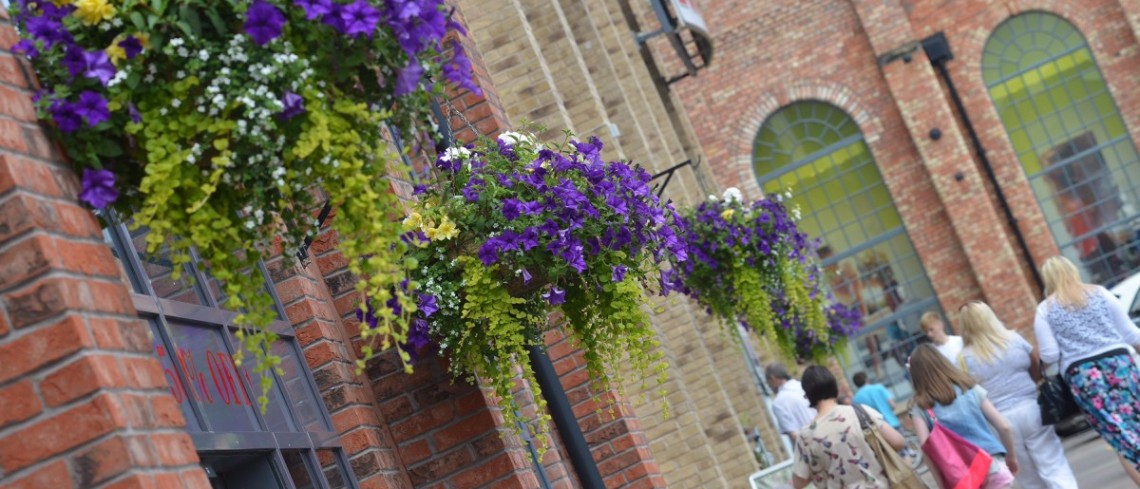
1114, 126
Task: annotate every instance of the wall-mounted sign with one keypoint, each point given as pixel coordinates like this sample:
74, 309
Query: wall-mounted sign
689, 15
694, 49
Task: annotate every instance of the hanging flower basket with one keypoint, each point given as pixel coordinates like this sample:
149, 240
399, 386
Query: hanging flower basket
749, 263
515, 229
217, 122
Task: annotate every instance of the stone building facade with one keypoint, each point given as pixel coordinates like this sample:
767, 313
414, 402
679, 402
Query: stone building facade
853, 107
113, 374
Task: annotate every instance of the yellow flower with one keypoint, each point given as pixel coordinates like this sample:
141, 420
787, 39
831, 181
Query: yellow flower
727, 214
414, 220
446, 229
94, 11
116, 52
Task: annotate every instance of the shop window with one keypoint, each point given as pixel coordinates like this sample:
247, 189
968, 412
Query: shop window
814, 152
292, 445
1070, 139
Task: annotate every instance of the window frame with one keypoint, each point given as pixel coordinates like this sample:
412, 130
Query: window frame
160, 311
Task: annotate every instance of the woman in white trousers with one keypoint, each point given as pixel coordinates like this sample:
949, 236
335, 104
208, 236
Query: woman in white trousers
1007, 366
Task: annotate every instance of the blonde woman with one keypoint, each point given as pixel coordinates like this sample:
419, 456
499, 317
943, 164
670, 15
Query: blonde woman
1086, 330
1006, 365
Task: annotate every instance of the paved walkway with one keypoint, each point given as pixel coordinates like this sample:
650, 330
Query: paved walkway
1094, 462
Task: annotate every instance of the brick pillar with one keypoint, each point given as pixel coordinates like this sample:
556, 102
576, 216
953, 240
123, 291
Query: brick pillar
83, 400
329, 354
611, 428
923, 105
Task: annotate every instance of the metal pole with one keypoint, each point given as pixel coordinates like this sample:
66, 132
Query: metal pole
564, 420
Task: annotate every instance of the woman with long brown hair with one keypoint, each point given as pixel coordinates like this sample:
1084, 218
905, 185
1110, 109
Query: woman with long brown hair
1086, 330
961, 406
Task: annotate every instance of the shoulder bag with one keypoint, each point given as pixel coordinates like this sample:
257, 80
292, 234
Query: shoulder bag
1055, 399
899, 473
961, 464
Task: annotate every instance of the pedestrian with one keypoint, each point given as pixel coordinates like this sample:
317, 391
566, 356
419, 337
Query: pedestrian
875, 396
949, 345
1086, 330
831, 451
790, 406
961, 406
1006, 366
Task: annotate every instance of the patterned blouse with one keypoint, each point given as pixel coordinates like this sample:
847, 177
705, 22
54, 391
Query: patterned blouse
831, 452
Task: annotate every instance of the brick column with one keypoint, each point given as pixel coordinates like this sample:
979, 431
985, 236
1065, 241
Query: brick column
611, 428
923, 105
83, 400
329, 354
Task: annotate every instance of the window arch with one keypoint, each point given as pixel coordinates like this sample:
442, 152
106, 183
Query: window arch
815, 153
1070, 139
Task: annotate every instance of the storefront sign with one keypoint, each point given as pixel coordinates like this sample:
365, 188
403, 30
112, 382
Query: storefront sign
689, 15
216, 382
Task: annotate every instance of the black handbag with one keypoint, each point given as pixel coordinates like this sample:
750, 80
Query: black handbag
1055, 399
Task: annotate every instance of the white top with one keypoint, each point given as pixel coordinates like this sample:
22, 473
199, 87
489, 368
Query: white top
791, 407
951, 348
1070, 335
1007, 376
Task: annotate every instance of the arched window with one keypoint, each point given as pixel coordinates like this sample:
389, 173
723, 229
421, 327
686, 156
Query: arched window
1070, 139
815, 154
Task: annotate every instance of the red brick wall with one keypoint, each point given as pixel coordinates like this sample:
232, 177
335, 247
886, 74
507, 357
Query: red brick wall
770, 54
83, 400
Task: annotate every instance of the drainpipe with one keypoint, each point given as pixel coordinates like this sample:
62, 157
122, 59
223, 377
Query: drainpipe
938, 51
564, 420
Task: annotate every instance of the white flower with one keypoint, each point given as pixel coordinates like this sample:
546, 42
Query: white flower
176, 103
176, 42
116, 22
185, 53
204, 55
180, 74
455, 152
250, 224
732, 194
712, 198
511, 137
796, 213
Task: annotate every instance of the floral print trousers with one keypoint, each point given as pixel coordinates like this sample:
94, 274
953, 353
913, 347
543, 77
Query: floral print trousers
1107, 389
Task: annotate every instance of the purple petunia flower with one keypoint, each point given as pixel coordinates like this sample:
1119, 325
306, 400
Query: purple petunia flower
263, 22
65, 115
47, 29
417, 24
511, 209
314, 9
459, 70
555, 296
27, 47
360, 18
98, 65
528, 239
333, 18
619, 273
489, 252
98, 188
74, 60
427, 305
293, 105
93, 107
408, 78
526, 276
131, 46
